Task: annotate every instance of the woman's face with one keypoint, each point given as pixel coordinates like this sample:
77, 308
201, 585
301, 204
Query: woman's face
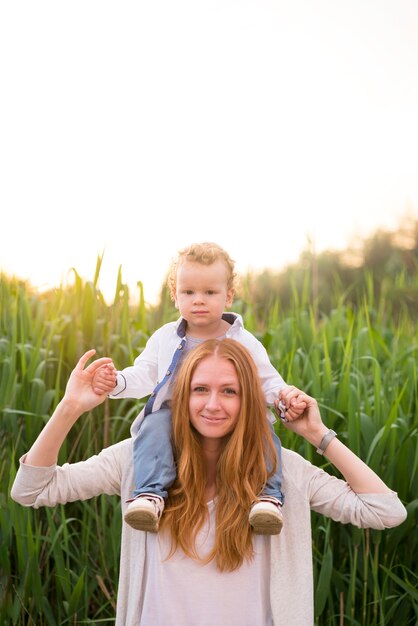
215, 397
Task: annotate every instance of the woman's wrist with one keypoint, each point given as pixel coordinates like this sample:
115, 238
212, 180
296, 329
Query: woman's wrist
316, 436
69, 410
325, 441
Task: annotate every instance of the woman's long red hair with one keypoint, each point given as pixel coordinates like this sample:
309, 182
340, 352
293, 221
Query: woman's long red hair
247, 460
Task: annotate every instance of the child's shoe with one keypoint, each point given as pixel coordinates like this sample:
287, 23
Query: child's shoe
266, 517
144, 512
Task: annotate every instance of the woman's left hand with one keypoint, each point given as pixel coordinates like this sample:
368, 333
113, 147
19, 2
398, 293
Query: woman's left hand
302, 414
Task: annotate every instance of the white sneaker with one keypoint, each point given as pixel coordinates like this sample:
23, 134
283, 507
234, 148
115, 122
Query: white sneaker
144, 512
266, 518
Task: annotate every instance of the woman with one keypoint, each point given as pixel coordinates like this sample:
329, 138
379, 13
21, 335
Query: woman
205, 567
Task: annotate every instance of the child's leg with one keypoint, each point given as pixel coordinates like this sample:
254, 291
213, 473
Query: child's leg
154, 466
154, 471
273, 487
266, 516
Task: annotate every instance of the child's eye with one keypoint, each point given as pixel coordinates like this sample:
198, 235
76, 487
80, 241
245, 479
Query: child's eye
188, 292
210, 292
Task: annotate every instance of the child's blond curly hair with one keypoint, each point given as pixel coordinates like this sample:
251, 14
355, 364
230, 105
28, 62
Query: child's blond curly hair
205, 253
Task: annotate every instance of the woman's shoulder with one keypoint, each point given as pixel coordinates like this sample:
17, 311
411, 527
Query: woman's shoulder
297, 469
293, 457
119, 454
121, 449
117, 459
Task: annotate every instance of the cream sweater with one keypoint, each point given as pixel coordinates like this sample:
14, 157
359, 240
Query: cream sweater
306, 486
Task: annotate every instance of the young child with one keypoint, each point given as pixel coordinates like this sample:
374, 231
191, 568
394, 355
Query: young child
201, 283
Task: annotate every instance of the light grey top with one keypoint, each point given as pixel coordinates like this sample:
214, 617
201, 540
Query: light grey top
192, 588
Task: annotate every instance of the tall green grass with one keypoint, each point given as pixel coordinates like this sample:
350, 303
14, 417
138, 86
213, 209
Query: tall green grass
59, 566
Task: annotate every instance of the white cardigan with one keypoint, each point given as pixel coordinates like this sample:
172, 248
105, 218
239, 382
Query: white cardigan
307, 487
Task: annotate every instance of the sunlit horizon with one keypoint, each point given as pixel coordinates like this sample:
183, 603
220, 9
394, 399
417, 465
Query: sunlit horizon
107, 282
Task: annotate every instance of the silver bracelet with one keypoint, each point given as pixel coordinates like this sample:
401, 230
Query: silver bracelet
329, 436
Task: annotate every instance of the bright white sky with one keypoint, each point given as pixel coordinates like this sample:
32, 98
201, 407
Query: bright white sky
139, 127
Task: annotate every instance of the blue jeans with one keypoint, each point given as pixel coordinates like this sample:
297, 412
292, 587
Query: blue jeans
154, 465
274, 484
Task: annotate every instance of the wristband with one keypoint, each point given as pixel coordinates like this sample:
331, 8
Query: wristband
326, 439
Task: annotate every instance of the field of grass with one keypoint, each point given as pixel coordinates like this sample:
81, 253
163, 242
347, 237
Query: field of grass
59, 566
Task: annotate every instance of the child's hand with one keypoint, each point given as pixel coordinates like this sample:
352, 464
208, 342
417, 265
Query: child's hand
302, 413
291, 402
104, 379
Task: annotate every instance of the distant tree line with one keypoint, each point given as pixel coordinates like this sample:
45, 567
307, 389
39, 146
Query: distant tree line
382, 268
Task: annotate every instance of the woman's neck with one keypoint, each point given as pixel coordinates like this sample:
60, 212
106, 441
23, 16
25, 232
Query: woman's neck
212, 449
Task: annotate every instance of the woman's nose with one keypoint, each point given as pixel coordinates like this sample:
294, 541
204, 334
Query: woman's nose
212, 403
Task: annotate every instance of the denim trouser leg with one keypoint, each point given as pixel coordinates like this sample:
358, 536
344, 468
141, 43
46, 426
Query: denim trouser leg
154, 466
274, 484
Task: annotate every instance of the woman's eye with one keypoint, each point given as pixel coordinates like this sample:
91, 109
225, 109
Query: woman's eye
230, 392
199, 389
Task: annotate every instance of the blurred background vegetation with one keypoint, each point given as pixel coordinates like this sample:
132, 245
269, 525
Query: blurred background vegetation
341, 325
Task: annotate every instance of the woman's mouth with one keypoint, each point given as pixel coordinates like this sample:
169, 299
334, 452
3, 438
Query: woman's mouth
213, 420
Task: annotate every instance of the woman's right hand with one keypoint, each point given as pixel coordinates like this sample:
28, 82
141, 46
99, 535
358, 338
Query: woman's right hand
79, 397
79, 393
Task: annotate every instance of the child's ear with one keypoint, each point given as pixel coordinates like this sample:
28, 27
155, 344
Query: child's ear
229, 298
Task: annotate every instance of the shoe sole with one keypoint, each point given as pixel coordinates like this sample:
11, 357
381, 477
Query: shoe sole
266, 524
142, 520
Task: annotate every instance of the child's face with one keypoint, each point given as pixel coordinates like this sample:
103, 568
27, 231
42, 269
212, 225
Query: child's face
202, 295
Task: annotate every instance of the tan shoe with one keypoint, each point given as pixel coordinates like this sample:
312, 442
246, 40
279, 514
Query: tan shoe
266, 518
144, 512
